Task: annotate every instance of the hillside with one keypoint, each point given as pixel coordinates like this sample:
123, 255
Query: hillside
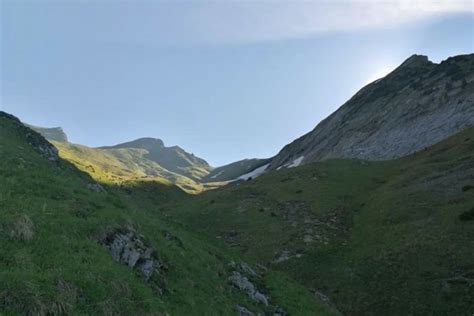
417, 105
51, 133
371, 213
174, 158
234, 170
70, 246
123, 165
146, 159
374, 238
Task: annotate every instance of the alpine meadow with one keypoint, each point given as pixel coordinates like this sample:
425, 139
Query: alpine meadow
274, 203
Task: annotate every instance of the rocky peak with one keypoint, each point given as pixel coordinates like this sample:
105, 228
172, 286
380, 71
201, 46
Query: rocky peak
146, 143
174, 159
417, 105
416, 61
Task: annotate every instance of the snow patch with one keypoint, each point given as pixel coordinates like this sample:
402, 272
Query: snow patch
218, 174
253, 174
296, 162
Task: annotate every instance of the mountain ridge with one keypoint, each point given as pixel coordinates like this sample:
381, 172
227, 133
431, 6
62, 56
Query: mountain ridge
416, 105
51, 133
173, 158
325, 228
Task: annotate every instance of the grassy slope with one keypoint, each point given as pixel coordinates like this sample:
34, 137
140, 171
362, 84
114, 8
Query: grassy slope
122, 165
51, 261
386, 236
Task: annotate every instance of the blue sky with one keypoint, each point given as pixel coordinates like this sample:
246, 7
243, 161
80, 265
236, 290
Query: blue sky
225, 80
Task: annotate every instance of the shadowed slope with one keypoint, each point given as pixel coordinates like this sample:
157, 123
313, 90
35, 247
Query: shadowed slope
392, 237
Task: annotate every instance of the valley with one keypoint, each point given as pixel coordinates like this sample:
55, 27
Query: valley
371, 213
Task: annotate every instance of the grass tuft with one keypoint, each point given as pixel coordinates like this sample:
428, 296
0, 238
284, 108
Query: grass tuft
22, 228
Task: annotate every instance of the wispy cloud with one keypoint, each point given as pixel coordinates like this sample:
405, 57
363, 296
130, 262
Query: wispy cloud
274, 19
224, 21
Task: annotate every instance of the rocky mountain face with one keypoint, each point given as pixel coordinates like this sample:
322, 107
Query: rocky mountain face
53, 133
417, 105
174, 159
234, 170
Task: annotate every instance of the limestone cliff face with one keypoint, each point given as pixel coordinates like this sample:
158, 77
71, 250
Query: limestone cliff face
53, 133
417, 105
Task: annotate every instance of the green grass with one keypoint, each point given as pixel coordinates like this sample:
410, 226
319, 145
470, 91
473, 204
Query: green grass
51, 262
126, 165
388, 237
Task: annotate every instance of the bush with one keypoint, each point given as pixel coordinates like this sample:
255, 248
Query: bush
467, 215
467, 187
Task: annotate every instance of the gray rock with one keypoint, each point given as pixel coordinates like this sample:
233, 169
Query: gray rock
48, 151
284, 256
95, 187
259, 297
147, 268
247, 269
279, 311
242, 311
321, 296
242, 283
243, 268
129, 249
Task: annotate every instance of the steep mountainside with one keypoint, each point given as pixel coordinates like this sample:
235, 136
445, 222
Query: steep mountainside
234, 170
415, 106
363, 234
123, 165
174, 158
72, 247
53, 133
389, 237
145, 159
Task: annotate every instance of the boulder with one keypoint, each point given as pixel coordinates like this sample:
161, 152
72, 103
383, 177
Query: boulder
242, 283
129, 249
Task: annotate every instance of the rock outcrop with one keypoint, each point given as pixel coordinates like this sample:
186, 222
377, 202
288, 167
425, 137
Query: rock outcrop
128, 248
243, 283
50, 133
242, 311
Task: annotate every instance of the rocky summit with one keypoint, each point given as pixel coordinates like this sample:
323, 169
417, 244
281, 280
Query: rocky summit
417, 105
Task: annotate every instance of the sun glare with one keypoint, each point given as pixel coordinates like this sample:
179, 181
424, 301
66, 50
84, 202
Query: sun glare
379, 73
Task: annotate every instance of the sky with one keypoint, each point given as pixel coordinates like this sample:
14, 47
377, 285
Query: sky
225, 80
